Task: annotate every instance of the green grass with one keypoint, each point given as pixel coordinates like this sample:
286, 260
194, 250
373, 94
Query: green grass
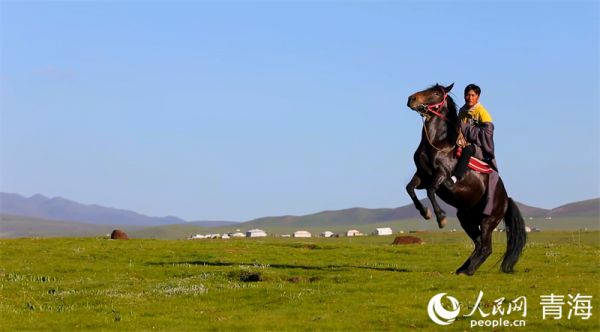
274, 284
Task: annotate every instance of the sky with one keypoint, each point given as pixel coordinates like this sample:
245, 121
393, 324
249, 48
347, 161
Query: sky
237, 110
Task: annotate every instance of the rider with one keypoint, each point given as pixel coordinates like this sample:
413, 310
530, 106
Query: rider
477, 127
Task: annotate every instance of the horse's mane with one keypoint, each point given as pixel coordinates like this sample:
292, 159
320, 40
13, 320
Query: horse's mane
451, 114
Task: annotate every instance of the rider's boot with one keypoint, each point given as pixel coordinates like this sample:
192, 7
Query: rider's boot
449, 183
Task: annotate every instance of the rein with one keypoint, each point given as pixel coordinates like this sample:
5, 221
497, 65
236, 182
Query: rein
447, 149
438, 114
434, 109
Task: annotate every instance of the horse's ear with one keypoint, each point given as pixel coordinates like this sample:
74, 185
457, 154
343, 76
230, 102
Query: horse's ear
448, 88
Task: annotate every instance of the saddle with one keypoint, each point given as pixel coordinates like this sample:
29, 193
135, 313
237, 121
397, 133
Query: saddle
480, 166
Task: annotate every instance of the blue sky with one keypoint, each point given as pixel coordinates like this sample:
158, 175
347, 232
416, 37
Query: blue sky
238, 110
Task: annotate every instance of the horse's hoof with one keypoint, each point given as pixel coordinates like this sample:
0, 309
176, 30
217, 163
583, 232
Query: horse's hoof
463, 273
427, 215
442, 223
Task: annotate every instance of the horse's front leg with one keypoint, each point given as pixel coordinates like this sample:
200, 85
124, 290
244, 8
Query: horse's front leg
440, 214
410, 188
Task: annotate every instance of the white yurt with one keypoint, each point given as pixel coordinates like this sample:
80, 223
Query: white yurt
256, 233
327, 234
302, 234
383, 231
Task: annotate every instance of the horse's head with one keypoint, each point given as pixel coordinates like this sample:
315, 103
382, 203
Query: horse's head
431, 99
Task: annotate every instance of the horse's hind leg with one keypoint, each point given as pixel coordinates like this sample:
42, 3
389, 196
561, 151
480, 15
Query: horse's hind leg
483, 243
410, 188
474, 233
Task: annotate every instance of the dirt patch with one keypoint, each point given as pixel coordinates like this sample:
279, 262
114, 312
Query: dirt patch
246, 276
407, 240
118, 234
294, 280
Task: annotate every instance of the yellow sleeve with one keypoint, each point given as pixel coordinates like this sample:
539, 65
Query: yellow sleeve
482, 115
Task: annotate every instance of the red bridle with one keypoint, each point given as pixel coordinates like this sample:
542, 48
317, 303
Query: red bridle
433, 108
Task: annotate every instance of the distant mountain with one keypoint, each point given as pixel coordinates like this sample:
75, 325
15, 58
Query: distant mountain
42, 216
357, 216
334, 218
533, 212
587, 208
39, 206
577, 215
18, 226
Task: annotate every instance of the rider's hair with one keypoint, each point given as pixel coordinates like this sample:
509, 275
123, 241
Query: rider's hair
474, 88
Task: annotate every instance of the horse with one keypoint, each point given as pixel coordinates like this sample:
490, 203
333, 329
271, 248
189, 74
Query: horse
435, 161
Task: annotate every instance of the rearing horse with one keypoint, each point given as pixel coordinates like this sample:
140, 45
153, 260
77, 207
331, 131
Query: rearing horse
435, 161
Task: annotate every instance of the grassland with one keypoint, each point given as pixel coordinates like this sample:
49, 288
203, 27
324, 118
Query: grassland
275, 284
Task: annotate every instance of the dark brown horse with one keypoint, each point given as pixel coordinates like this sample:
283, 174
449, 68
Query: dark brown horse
435, 160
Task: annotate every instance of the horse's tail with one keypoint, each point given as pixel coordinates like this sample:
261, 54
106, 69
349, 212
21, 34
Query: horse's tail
515, 236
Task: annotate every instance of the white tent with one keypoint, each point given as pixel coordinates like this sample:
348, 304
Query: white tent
353, 232
327, 234
383, 231
238, 234
256, 233
302, 234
